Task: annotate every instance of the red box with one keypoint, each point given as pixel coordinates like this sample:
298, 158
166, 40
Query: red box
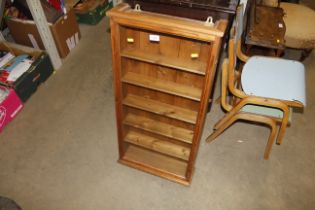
10, 106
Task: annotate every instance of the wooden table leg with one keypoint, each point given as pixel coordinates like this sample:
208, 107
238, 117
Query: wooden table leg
248, 48
279, 53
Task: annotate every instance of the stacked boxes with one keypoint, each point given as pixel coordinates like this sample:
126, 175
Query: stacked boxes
14, 92
91, 11
65, 32
38, 72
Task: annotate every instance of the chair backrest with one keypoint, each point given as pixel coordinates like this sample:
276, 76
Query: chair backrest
230, 79
234, 74
238, 28
239, 23
236, 36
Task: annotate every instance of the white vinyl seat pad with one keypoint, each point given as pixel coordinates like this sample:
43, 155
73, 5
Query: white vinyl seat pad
274, 78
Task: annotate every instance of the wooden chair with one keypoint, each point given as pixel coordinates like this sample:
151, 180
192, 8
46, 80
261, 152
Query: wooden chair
300, 30
269, 87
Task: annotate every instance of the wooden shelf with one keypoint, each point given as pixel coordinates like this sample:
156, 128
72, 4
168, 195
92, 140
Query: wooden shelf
155, 163
160, 108
157, 145
192, 66
173, 88
160, 128
164, 68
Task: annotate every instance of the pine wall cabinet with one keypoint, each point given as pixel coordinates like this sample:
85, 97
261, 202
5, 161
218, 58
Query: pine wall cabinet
163, 71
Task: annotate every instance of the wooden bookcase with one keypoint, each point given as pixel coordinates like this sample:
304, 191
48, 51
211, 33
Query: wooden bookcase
163, 69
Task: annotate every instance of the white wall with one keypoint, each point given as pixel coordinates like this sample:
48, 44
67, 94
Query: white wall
115, 2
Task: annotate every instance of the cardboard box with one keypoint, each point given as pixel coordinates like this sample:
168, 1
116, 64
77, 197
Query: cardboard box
91, 11
38, 73
65, 32
10, 106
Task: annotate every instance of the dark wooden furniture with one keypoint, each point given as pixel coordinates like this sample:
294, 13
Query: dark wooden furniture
300, 30
194, 9
291, 1
163, 69
265, 27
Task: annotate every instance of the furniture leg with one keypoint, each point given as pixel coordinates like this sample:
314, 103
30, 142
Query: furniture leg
279, 53
220, 129
272, 135
305, 54
248, 117
283, 125
222, 121
281, 133
248, 48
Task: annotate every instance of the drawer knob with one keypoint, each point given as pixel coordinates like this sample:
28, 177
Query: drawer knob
130, 40
194, 55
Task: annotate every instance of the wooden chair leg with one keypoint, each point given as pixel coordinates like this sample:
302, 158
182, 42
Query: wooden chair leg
283, 127
227, 117
248, 117
281, 133
271, 138
223, 120
221, 128
267, 121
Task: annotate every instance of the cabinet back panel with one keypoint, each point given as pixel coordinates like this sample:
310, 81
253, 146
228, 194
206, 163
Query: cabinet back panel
163, 138
162, 97
162, 73
159, 118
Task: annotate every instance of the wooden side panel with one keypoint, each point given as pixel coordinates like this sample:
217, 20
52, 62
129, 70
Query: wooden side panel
116, 62
210, 74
